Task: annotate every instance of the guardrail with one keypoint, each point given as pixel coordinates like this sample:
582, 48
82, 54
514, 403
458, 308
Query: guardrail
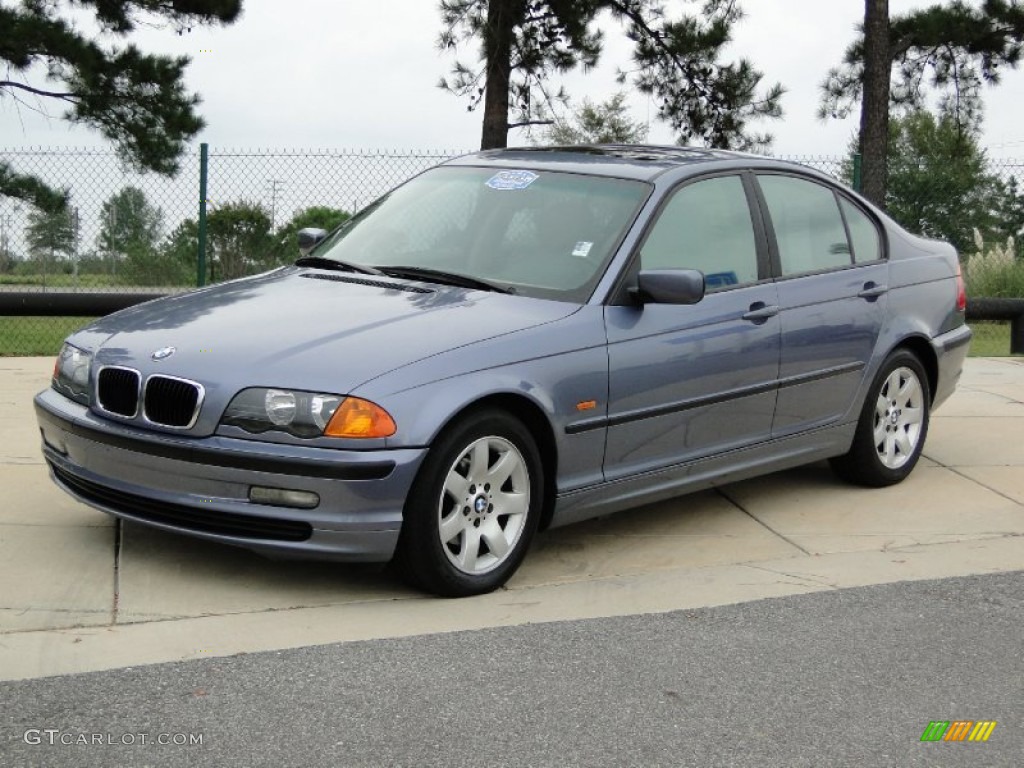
1011, 310
95, 304
68, 303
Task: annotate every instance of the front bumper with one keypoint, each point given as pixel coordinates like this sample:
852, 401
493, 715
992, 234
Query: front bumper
200, 486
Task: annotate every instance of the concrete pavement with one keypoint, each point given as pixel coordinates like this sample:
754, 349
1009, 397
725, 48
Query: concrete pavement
79, 593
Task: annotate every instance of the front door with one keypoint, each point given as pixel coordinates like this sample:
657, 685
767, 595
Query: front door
687, 382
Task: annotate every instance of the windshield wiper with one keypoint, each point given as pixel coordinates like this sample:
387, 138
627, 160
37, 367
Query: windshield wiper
447, 278
322, 262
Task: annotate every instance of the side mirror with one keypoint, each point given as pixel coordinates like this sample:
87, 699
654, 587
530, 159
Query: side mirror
309, 237
668, 286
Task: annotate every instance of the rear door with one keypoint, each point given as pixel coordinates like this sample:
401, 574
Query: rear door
833, 292
690, 381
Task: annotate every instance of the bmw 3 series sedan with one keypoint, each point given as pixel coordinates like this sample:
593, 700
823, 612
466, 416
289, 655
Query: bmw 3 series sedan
511, 341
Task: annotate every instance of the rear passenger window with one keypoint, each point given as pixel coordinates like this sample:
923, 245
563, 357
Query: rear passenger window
706, 226
863, 234
808, 227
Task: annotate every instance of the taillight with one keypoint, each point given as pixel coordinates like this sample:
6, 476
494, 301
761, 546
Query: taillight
961, 290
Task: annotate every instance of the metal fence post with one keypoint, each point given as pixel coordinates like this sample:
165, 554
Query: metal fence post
204, 163
857, 163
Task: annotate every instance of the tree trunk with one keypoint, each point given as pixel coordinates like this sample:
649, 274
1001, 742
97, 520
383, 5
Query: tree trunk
874, 114
498, 52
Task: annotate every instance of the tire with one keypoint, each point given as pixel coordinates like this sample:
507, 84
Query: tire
893, 425
473, 508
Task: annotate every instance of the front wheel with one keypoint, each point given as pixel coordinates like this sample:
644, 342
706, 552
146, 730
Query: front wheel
474, 507
892, 427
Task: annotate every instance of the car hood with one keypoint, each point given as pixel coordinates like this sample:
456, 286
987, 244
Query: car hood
307, 329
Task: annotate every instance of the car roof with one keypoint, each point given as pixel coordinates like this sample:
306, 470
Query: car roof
633, 161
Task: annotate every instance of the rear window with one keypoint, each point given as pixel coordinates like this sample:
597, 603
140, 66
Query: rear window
808, 226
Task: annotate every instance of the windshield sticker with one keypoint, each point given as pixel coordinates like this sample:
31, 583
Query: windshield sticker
582, 249
512, 180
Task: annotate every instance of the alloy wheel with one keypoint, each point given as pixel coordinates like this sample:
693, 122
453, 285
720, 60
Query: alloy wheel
484, 505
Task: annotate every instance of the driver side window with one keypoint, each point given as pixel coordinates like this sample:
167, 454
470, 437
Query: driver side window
706, 226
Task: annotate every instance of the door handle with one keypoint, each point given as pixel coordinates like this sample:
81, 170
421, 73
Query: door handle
872, 291
760, 312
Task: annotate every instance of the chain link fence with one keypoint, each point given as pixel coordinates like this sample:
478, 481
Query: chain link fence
131, 232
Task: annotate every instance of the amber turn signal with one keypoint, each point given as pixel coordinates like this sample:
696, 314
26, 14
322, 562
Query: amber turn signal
360, 418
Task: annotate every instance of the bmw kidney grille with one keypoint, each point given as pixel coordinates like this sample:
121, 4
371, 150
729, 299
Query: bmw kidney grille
118, 391
166, 400
171, 402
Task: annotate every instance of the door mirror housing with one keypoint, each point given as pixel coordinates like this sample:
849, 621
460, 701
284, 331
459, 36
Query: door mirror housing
668, 286
309, 237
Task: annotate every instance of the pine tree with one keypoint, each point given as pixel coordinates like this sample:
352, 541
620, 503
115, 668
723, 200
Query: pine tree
523, 43
874, 111
949, 50
604, 123
138, 101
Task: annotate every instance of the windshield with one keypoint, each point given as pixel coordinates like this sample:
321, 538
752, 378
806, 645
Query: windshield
538, 233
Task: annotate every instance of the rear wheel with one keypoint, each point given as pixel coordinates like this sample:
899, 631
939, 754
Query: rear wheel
892, 427
473, 508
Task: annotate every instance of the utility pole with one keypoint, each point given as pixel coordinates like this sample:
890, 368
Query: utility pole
7, 257
5, 251
273, 201
74, 245
113, 245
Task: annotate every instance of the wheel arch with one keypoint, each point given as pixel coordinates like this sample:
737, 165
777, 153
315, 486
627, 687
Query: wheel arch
922, 349
536, 421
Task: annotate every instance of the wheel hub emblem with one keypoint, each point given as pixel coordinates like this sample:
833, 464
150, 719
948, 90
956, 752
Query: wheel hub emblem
163, 353
480, 505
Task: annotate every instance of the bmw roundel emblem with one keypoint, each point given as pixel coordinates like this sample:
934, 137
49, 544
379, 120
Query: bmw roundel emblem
163, 353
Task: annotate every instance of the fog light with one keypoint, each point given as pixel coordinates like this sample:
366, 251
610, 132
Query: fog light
282, 497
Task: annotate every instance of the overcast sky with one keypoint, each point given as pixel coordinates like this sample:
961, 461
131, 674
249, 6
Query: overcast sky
363, 75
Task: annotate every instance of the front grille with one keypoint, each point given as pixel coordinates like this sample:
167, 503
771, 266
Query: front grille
171, 402
118, 391
180, 516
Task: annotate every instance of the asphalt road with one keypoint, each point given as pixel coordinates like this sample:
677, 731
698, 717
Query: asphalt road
845, 678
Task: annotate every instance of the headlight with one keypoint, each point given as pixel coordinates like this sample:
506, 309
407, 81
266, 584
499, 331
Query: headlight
280, 407
71, 373
297, 413
307, 414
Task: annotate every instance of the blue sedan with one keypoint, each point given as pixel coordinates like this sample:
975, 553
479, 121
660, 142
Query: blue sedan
515, 340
